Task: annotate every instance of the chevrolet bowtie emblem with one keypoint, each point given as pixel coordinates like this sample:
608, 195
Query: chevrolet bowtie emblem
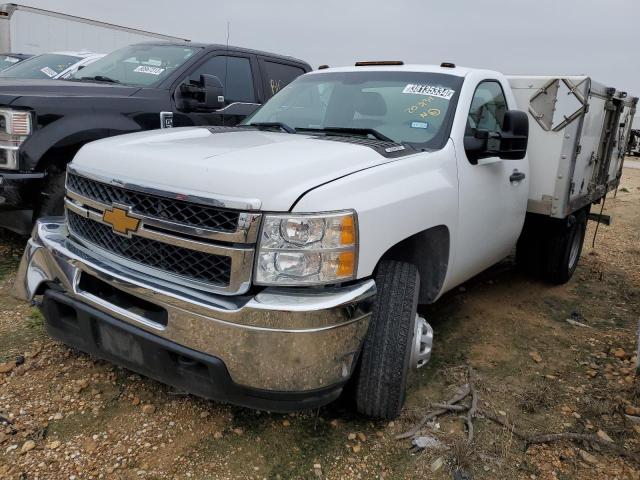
120, 220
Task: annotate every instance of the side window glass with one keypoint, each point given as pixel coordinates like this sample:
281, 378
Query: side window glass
278, 76
487, 108
235, 75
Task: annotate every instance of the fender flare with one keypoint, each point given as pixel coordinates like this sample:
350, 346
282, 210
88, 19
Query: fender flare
70, 132
429, 251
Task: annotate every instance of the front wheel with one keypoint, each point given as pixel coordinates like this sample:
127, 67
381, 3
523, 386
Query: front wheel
51, 201
380, 381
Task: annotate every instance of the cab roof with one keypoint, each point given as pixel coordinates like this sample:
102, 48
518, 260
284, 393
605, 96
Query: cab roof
217, 47
457, 71
81, 53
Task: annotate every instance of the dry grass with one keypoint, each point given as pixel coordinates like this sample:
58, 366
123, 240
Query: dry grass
462, 455
539, 396
594, 407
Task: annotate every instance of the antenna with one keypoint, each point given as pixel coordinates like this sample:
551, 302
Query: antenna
226, 65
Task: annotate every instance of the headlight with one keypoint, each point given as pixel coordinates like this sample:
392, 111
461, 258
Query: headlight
307, 249
15, 122
15, 127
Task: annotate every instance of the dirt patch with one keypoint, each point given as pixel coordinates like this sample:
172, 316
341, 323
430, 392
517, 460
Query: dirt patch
89, 419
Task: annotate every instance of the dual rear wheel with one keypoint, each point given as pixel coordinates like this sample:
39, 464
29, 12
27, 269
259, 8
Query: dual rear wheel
550, 248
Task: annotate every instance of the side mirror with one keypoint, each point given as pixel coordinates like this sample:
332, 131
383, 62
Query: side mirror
510, 144
482, 144
205, 95
213, 92
515, 135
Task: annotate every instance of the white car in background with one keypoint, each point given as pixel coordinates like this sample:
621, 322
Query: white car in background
55, 65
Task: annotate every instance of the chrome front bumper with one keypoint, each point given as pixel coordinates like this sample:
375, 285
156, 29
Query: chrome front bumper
282, 339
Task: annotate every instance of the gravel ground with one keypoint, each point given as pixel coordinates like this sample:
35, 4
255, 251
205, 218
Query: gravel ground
69, 416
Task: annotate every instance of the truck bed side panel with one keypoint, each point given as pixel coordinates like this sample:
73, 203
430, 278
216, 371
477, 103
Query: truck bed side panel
587, 158
576, 126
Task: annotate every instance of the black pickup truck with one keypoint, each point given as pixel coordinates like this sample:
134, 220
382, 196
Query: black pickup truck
43, 123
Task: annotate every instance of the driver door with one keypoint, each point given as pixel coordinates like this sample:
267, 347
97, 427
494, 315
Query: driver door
238, 75
493, 192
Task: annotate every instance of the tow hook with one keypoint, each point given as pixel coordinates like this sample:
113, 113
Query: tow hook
422, 343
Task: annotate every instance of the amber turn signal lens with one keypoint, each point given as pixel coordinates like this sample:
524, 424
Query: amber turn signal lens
346, 264
347, 231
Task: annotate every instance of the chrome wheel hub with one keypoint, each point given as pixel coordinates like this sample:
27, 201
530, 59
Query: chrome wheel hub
422, 343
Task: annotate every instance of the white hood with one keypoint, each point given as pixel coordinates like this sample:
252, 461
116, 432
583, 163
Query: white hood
271, 167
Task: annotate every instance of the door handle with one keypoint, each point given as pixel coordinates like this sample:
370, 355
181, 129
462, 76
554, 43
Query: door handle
517, 177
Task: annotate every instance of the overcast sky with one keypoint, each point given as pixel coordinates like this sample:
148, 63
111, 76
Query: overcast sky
597, 37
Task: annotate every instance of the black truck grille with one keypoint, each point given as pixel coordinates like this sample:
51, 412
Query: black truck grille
154, 205
191, 264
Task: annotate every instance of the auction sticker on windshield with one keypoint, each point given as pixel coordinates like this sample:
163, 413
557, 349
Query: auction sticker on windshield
49, 72
430, 90
149, 70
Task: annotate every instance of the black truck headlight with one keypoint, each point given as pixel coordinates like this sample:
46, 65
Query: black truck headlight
15, 127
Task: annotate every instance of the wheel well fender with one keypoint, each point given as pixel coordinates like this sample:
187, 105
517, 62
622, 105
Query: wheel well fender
429, 251
59, 141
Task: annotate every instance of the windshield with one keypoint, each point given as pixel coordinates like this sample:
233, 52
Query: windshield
406, 107
138, 65
48, 65
7, 61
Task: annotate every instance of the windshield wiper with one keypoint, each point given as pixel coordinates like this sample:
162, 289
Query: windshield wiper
353, 130
280, 125
101, 78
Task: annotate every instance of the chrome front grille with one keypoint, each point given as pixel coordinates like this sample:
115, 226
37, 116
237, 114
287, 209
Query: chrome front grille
191, 264
198, 245
154, 205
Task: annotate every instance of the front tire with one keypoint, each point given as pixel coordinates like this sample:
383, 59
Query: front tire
51, 201
380, 381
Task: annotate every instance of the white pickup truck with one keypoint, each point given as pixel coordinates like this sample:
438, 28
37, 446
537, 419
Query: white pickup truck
267, 265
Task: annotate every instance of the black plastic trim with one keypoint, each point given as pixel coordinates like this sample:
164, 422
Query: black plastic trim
386, 149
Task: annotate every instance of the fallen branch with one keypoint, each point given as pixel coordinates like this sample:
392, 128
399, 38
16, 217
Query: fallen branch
531, 439
503, 422
472, 409
461, 395
451, 408
575, 437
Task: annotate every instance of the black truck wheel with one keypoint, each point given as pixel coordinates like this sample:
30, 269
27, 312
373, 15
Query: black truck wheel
51, 200
550, 248
381, 378
565, 248
530, 247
